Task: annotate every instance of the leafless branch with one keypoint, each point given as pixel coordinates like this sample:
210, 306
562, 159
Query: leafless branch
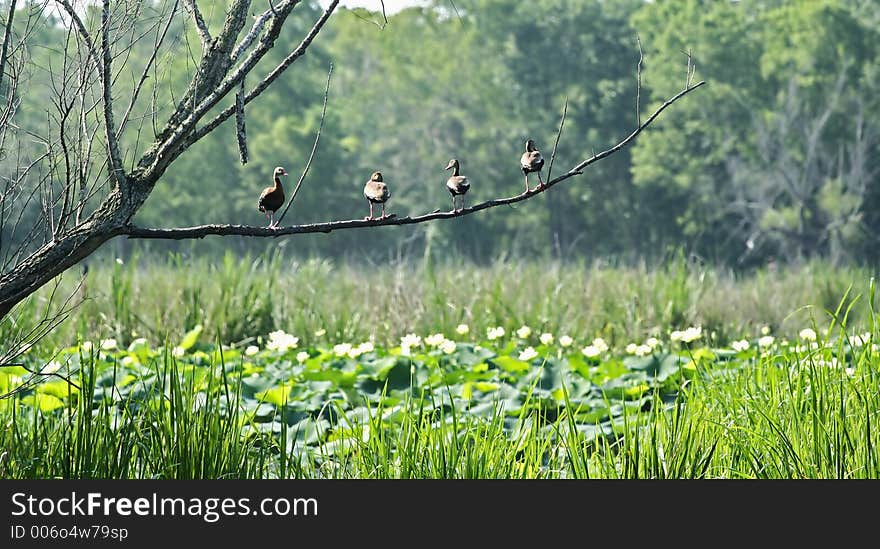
249, 38
7, 35
201, 26
132, 231
314, 147
558, 135
639, 83
114, 155
263, 84
240, 131
156, 48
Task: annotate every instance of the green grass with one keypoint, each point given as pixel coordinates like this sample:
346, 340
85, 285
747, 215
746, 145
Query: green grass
237, 299
166, 400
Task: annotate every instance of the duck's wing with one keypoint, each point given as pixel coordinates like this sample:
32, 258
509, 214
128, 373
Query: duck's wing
376, 191
458, 184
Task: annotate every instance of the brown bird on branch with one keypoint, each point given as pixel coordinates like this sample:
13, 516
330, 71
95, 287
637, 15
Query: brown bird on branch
457, 184
376, 192
531, 161
272, 197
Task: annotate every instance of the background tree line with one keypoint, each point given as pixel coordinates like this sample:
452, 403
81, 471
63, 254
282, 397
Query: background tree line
775, 160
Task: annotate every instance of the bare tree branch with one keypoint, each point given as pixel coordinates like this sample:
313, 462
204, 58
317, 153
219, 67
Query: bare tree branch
201, 27
639, 82
202, 231
7, 35
259, 88
137, 89
314, 147
114, 154
558, 135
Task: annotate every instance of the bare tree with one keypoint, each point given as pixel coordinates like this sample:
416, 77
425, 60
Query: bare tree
804, 196
92, 174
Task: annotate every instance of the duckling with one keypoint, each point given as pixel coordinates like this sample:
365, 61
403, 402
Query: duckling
272, 197
376, 192
531, 161
458, 184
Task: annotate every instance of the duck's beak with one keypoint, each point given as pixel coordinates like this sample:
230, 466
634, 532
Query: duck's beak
284, 173
450, 166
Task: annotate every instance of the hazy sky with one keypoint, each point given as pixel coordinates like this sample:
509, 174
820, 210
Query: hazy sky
391, 6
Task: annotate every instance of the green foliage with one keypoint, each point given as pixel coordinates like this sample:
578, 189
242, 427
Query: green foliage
509, 406
745, 170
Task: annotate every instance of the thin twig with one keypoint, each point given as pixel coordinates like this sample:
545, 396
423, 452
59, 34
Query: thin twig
373, 21
639, 83
455, 9
314, 146
113, 153
558, 134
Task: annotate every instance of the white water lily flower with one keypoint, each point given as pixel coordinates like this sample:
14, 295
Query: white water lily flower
320, 333
495, 333
631, 348
687, 335
849, 371
808, 334
302, 356
342, 349
52, 367
523, 332
766, 341
448, 346
566, 341
108, 344
859, 340
281, 341
642, 350
462, 329
86, 346
546, 338
128, 360
177, 352
434, 340
251, 350
410, 340
590, 351
528, 354
137, 343
366, 347
600, 344
652, 342
740, 345
765, 330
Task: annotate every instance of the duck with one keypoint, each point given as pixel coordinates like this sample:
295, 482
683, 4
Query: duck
457, 184
376, 192
272, 198
531, 161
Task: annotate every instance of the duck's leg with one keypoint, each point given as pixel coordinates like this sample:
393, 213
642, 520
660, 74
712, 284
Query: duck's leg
540, 181
384, 215
462, 200
371, 211
527, 183
453, 203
